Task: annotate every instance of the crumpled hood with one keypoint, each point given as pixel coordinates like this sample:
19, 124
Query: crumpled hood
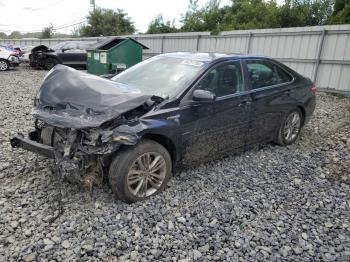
72, 99
42, 48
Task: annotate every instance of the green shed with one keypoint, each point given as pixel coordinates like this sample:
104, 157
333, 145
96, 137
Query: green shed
113, 55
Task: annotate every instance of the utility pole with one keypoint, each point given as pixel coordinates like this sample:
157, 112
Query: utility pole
92, 3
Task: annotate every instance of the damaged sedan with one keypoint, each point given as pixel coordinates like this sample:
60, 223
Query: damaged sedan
71, 53
168, 111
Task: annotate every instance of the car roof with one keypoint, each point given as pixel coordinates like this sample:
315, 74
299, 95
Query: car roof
209, 57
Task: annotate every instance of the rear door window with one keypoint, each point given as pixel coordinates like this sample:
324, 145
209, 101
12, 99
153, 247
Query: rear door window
264, 73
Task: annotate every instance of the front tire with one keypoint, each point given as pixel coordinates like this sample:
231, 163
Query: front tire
290, 128
140, 171
4, 65
50, 63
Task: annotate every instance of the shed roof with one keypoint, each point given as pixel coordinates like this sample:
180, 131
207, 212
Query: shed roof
112, 41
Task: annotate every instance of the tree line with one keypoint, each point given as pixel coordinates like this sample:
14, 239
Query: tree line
239, 14
256, 14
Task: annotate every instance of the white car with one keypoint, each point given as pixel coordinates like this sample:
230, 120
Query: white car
25, 57
7, 58
26, 50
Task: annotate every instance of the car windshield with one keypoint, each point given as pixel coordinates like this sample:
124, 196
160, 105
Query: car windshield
160, 76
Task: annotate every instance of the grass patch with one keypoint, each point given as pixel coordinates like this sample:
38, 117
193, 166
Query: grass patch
337, 95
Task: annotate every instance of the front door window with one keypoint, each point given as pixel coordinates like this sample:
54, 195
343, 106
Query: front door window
223, 80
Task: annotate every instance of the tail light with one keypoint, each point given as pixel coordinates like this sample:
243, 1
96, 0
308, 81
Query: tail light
14, 54
313, 89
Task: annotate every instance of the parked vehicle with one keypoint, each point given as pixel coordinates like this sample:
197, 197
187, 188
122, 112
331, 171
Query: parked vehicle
18, 50
8, 58
170, 110
71, 53
26, 51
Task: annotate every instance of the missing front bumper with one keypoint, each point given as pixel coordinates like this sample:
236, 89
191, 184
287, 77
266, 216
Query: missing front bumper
77, 167
29, 144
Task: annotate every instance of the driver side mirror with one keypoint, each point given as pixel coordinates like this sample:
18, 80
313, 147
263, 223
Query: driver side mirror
203, 96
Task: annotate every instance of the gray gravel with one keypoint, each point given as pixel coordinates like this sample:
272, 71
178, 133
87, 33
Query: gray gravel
269, 203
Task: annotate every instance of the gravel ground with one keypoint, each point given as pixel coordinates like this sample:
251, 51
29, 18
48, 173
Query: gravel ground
269, 203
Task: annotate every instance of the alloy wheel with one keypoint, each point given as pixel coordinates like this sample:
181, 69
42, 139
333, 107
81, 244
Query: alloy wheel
146, 174
3, 65
292, 126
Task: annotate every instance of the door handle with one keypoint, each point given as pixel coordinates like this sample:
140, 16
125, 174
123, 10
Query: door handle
244, 103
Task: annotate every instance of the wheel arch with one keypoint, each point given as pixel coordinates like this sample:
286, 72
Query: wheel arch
164, 141
303, 114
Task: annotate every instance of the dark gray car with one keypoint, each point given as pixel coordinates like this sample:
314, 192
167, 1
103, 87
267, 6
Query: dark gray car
72, 53
167, 111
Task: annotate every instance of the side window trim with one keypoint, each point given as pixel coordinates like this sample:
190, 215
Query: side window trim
249, 85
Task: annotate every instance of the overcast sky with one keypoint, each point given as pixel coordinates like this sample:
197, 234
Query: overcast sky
33, 15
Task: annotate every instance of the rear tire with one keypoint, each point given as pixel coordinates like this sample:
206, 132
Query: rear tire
139, 172
290, 128
4, 65
50, 63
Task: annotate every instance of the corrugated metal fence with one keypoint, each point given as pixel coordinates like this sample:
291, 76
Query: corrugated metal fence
321, 52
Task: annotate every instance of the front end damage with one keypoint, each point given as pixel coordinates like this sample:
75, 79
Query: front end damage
38, 55
82, 120
81, 155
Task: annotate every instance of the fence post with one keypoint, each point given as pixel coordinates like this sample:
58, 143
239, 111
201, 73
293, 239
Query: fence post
319, 53
197, 44
216, 43
162, 46
249, 42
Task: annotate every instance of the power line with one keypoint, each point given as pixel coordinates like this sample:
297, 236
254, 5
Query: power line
57, 28
4, 28
72, 23
44, 7
81, 11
